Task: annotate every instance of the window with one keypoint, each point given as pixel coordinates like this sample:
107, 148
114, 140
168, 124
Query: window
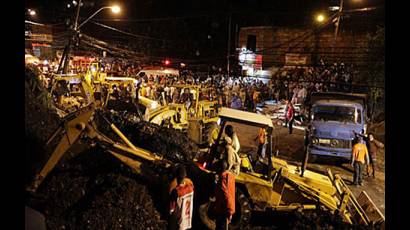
335, 113
251, 43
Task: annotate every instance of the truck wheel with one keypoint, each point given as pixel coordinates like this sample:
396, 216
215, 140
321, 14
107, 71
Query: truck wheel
242, 216
205, 214
240, 219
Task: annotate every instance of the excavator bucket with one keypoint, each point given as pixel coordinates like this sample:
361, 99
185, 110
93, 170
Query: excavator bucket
361, 209
371, 210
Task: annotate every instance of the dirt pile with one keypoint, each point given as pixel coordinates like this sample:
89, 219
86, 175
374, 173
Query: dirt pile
40, 120
171, 143
41, 117
91, 190
95, 191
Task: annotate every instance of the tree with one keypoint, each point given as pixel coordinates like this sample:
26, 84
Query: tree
374, 72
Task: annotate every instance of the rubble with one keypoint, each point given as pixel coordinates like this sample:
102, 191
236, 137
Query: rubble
91, 190
95, 191
41, 116
171, 143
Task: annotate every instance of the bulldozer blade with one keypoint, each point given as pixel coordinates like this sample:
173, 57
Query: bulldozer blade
371, 210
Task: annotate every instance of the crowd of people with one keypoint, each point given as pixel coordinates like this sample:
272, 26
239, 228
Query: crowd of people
238, 92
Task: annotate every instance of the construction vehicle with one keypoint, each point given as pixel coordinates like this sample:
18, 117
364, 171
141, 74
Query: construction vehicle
81, 89
200, 117
279, 186
334, 119
158, 71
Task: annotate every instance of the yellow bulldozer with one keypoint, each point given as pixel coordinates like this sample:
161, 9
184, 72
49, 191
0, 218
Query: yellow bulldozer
198, 118
280, 187
80, 89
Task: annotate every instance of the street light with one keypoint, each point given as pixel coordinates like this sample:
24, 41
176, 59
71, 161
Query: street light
320, 18
65, 57
31, 12
115, 9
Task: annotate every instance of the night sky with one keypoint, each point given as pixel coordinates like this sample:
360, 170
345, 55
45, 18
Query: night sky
182, 29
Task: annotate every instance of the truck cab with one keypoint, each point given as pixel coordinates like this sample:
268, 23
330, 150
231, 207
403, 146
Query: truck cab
334, 120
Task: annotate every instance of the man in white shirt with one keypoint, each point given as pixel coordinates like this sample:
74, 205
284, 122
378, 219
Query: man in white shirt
235, 141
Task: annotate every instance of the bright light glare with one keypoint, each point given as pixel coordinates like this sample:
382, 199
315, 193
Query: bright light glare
115, 9
154, 105
334, 8
32, 12
320, 18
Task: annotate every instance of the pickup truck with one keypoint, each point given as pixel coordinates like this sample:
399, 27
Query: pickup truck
334, 118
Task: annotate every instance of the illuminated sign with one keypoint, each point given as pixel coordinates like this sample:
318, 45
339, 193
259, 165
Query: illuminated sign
250, 61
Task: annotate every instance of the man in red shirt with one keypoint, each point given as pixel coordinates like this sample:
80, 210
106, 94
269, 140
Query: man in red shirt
181, 202
290, 113
224, 197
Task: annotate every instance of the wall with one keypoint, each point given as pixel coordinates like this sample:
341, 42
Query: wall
274, 43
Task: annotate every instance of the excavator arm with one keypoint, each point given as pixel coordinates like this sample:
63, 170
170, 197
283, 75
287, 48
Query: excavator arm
81, 124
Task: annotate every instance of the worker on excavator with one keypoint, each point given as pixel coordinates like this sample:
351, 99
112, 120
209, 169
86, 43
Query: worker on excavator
235, 141
261, 142
181, 201
232, 157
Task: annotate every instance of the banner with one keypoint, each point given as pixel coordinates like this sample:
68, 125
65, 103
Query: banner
296, 59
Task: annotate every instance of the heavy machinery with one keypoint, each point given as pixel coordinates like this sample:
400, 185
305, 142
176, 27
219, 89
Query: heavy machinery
198, 118
80, 89
334, 119
278, 186
81, 124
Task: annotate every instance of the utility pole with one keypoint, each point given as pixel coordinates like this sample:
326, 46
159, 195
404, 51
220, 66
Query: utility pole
65, 58
339, 14
229, 46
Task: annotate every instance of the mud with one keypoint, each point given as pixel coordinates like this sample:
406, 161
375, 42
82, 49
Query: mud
95, 191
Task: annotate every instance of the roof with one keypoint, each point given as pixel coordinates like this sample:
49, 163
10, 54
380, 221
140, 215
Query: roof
353, 97
245, 117
346, 103
121, 79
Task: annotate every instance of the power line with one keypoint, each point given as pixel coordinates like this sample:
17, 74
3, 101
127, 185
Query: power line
127, 33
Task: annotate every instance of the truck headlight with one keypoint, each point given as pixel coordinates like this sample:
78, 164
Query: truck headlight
334, 142
315, 141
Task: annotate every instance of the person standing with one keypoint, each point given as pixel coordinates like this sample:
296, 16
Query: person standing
181, 201
261, 142
255, 98
360, 157
224, 197
373, 146
286, 111
290, 114
236, 102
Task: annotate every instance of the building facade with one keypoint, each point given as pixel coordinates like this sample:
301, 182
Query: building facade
262, 47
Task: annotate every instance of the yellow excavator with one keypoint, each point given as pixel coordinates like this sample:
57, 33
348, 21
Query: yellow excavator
280, 187
199, 118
